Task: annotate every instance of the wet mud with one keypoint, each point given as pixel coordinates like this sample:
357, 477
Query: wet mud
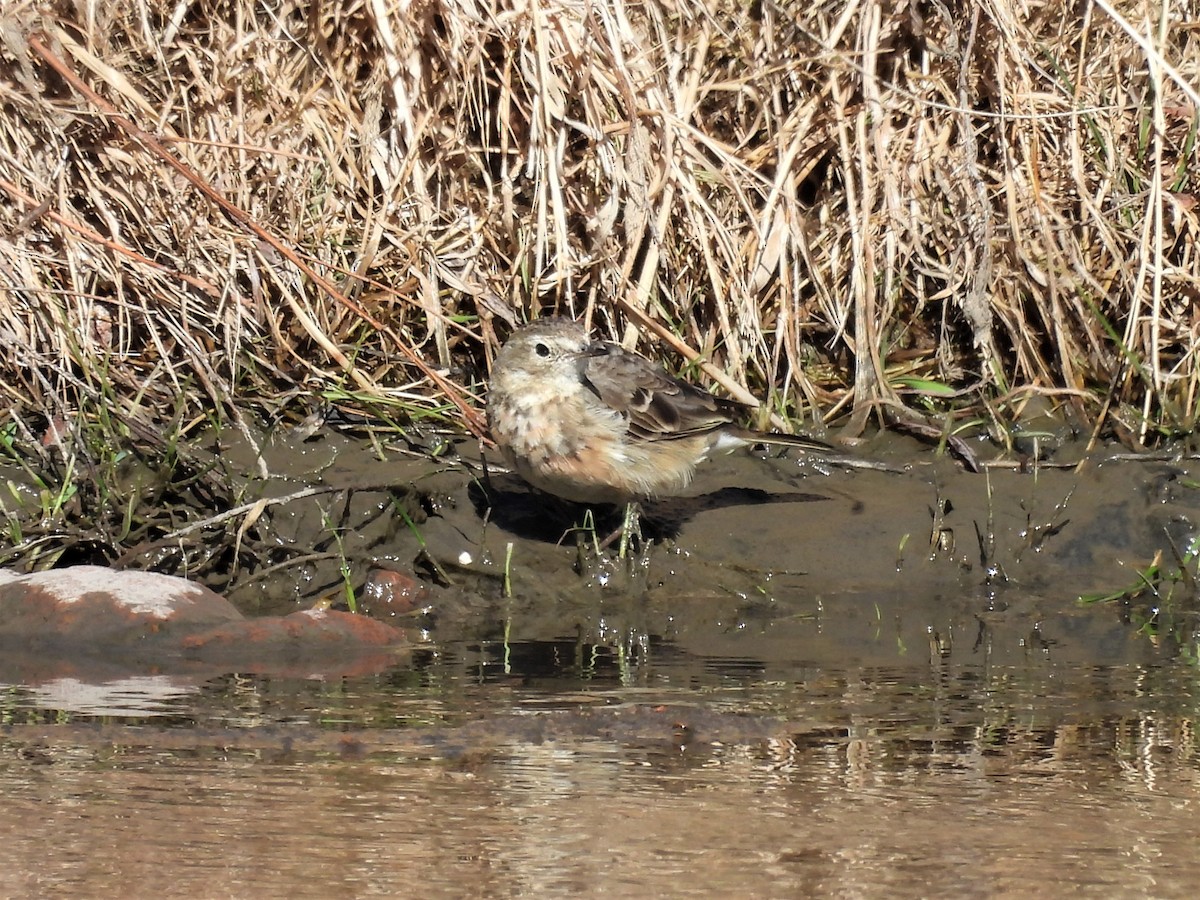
769, 539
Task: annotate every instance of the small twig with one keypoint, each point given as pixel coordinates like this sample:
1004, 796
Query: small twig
250, 507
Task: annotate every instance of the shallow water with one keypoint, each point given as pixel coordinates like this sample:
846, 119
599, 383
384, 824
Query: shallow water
895, 772
787, 704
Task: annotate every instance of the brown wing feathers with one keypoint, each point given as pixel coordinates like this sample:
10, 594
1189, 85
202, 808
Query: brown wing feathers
657, 406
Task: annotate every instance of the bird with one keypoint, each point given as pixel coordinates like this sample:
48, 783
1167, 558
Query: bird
593, 423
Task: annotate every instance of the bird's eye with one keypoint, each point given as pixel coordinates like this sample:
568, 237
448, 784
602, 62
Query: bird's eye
541, 349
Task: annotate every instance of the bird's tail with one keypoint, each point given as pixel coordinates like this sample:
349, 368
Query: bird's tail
744, 436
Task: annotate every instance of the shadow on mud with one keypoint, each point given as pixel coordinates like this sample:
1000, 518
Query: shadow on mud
530, 515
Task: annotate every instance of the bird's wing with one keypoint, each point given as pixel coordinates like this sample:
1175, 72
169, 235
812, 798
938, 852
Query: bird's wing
656, 406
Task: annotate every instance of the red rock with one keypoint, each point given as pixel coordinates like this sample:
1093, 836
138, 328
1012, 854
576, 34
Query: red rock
389, 593
91, 605
98, 623
310, 631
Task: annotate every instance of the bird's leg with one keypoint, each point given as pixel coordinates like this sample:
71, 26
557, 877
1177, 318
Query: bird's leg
631, 528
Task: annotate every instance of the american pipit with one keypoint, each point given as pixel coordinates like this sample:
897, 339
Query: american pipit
591, 422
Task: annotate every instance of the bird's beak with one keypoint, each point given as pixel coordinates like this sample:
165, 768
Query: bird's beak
596, 348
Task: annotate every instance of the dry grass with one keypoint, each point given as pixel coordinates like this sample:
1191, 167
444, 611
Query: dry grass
842, 208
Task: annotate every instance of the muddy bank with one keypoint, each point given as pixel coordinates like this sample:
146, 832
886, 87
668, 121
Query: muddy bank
769, 537
763, 547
